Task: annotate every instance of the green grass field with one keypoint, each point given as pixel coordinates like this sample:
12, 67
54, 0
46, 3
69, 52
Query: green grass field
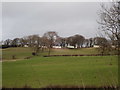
21, 53
40, 72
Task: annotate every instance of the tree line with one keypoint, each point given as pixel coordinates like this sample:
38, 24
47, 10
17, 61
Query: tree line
51, 38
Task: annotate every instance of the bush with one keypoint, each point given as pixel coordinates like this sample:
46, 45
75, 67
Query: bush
13, 57
33, 53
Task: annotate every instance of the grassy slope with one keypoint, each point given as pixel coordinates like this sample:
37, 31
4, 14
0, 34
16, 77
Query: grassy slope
75, 51
44, 71
21, 53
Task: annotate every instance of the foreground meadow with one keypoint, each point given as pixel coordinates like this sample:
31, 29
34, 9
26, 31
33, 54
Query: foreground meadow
81, 71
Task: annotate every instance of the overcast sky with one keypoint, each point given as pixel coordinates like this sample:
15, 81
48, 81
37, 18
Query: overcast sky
67, 18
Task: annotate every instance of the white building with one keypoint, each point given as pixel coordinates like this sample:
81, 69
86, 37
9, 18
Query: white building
57, 47
96, 46
70, 46
25, 45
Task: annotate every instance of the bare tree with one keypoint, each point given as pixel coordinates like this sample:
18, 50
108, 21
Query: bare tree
23, 42
45, 43
110, 21
59, 42
70, 41
29, 40
79, 40
50, 36
91, 42
76, 40
62, 41
7, 42
36, 44
86, 42
104, 45
34, 41
15, 42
